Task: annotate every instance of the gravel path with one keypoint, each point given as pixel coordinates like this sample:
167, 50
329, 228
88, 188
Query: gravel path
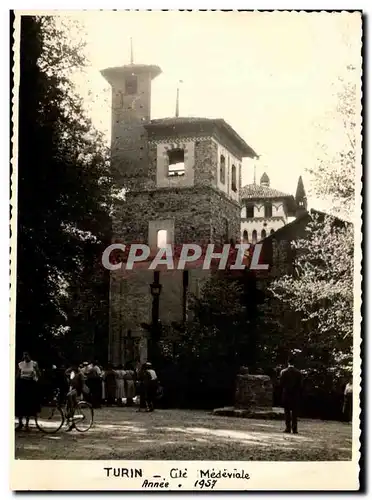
123, 433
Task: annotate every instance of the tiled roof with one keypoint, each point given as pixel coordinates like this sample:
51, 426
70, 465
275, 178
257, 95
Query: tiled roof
176, 120
201, 123
257, 191
284, 231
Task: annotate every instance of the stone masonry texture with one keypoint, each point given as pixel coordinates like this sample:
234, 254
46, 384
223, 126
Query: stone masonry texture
253, 391
201, 214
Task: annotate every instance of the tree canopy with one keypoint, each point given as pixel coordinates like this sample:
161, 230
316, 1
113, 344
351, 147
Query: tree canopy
334, 174
320, 293
64, 186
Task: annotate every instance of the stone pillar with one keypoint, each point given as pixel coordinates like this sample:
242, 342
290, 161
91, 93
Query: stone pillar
253, 398
253, 391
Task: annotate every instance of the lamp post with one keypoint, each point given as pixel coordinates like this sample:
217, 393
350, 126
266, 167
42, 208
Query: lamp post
154, 328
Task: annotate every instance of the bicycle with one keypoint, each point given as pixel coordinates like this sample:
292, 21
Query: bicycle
50, 419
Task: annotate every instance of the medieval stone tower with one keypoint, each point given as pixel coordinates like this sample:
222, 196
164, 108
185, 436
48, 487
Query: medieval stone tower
182, 178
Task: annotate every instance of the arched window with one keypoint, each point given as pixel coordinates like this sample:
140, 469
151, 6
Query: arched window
268, 210
254, 236
222, 169
250, 210
233, 178
245, 236
161, 238
272, 231
263, 234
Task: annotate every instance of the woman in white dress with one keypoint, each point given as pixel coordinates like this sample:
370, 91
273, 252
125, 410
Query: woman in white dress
120, 392
27, 400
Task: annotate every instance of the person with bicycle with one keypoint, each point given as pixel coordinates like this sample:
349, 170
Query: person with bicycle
77, 412
77, 384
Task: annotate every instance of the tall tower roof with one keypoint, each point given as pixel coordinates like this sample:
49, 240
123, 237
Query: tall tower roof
114, 74
265, 181
300, 191
300, 198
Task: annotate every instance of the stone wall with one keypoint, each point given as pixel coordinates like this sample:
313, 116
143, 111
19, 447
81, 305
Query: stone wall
200, 216
206, 163
129, 155
204, 158
129, 146
199, 213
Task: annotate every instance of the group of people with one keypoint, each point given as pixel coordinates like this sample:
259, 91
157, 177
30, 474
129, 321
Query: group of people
114, 385
121, 385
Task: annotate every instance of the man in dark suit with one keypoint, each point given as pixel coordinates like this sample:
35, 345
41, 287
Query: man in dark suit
291, 385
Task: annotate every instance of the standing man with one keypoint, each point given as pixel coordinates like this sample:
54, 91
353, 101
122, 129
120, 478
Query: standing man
291, 386
151, 384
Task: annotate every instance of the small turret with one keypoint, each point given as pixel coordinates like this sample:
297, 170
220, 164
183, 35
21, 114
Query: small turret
300, 198
265, 181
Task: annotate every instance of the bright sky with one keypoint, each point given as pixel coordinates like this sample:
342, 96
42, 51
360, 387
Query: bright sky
271, 76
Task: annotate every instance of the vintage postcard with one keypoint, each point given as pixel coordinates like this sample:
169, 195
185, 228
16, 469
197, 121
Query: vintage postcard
186, 250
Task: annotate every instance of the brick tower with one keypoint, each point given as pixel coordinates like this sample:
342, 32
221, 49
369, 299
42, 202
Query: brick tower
182, 178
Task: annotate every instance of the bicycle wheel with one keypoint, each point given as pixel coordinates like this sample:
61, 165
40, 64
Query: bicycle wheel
50, 419
83, 416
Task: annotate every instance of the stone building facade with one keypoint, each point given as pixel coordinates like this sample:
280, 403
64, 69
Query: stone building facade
182, 182
265, 210
277, 248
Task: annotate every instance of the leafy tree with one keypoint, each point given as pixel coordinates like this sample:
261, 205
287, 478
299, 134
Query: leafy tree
334, 174
317, 300
217, 308
64, 187
222, 319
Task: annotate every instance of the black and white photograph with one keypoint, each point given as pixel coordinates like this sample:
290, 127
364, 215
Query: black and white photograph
186, 247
